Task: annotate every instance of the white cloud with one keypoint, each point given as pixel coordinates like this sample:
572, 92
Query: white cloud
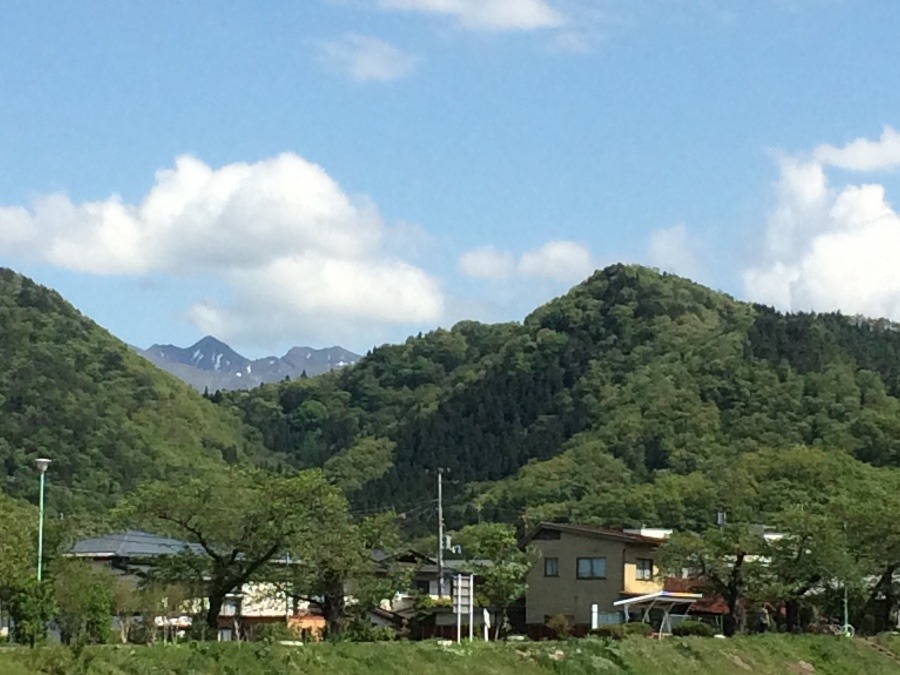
293, 248
863, 154
487, 263
559, 260
487, 15
832, 248
341, 297
367, 59
673, 250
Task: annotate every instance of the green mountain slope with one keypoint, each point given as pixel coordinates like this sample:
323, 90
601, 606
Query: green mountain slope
104, 415
635, 384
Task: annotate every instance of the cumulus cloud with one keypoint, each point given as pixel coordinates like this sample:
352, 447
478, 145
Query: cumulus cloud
487, 15
487, 263
863, 154
292, 247
331, 298
367, 59
832, 247
559, 260
673, 250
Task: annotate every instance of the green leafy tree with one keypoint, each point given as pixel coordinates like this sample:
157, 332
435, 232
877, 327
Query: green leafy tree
29, 603
127, 606
242, 523
335, 562
494, 557
812, 551
84, 601
31, 606
18, 544
871, 513
728, 562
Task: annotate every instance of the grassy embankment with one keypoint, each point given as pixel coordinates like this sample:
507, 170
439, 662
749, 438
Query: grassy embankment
637, 656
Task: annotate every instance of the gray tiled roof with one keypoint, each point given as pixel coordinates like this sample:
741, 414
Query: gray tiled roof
131, 544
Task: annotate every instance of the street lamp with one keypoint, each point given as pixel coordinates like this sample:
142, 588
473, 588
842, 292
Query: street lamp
42, 465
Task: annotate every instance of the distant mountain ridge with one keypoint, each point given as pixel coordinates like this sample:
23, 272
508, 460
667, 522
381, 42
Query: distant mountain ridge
211, 364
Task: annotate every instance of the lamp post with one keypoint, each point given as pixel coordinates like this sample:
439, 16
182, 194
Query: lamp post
42, 465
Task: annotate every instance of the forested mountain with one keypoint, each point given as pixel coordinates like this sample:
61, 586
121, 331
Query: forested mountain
632, 399
211, 365
105, 416
638, 397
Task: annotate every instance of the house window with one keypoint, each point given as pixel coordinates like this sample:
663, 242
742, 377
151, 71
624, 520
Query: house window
551, 567
232, 606
644, 571
590, 568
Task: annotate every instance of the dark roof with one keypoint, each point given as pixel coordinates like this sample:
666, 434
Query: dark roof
593, 531
387, 615
131, 544
410, 556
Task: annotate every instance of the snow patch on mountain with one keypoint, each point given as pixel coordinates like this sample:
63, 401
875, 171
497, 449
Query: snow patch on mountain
211, 364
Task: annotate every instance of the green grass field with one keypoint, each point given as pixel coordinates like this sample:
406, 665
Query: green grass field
774, 654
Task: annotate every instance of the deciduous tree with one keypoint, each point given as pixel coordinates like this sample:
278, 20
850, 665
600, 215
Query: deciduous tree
493, 555
728, 562
240, 524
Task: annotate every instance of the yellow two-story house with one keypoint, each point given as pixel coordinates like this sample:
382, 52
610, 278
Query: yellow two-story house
579, 566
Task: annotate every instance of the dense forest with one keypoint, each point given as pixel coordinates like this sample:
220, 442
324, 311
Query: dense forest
636, 398
105, 416
632, 399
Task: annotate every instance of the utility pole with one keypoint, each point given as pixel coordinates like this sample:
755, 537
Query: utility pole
440, 515
42, 465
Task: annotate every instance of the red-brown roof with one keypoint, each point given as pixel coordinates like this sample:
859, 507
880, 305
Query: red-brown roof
710, 604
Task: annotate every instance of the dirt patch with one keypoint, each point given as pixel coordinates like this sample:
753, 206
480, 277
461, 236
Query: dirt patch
802, 668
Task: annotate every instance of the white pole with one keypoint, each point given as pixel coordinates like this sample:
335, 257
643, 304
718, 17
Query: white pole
440, 543
42, 465
595, 616
486, 624
458, 608
471, 607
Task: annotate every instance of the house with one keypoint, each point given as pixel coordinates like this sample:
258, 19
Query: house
580, 566
424, 610
423, 577
133, 553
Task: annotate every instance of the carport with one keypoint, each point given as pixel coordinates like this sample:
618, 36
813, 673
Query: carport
666, 601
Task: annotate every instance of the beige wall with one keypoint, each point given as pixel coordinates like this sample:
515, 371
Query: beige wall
566, 594
633, 585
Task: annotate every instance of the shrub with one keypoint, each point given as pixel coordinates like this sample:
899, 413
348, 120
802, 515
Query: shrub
271, 632
364, 631
638, 628
560, 625
614, 631
693, 627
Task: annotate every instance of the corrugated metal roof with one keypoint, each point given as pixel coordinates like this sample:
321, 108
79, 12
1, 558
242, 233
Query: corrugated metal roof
131, 544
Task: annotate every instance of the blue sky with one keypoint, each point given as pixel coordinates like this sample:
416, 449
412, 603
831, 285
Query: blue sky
353, 171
